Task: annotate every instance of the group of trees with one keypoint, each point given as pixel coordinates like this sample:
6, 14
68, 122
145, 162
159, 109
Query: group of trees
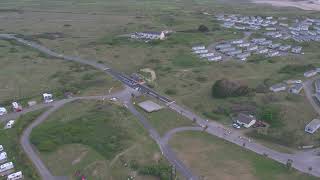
225, 88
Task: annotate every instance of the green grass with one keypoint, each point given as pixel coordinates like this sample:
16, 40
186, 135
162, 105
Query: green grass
178, 70
99, 139
214, 158
25, 75
10, 139
166, 119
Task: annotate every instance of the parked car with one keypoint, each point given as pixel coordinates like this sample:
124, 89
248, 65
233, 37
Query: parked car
235, 125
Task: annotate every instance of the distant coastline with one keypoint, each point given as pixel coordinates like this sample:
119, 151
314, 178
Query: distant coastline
312, 5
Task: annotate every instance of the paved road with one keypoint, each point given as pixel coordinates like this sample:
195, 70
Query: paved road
24, 140
308, 89
167, 152
302, 160
165, 139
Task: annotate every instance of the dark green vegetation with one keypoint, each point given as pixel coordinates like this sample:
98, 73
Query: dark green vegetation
10, 139
229, 161
110, 139
225, 88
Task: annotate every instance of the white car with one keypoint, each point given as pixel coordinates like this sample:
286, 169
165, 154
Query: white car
235, 125
114, 99
9, 124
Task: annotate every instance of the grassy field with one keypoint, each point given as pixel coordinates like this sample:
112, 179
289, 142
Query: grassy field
214, 158
26, 74
101, 141
10, 140
164, 119
93, 29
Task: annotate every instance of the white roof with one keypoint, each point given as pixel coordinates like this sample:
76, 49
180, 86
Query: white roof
150, 106
15, 175
6, 166
3, 156
313, 126
3, 109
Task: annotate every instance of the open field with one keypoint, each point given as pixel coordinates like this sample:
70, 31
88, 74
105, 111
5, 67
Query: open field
26, 74
214, 158
101, 141
164, 119
93, 30
10, 140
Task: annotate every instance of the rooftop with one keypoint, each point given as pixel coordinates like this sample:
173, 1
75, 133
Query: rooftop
150, 106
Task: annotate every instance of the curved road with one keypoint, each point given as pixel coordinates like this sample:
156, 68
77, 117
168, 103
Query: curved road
24, 140
301, 160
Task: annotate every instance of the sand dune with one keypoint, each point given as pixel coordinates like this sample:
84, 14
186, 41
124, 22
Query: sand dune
313, 5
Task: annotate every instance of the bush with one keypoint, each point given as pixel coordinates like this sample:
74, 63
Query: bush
225, 88
159, 170
203, 28
171, 91
296, 68
270, 114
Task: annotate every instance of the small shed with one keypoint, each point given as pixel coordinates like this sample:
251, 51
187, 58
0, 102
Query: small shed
313, 126
5, 167
278, 87
48, 98
3, 157
245, 120
150, 106
296, 88
15, 176
310, 73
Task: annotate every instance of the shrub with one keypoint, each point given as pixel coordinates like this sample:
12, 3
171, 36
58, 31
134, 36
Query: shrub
171, 91
203, 28
270, 114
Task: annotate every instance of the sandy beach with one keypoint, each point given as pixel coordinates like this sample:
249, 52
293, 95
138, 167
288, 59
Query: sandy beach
312, 5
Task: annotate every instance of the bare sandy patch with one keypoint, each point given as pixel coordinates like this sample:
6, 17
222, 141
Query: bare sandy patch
311, 5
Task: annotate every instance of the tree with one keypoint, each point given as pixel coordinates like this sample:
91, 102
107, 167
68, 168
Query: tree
203, 28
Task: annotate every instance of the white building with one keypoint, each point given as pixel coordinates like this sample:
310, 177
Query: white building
151, 35
263, 51
244, 45
6, 166
310, 73
3, 111
278, 87
48, 98
239, 41
252, 48
215, 58
15, 176
9, 124
313, 126
202, 51
296, 50
296, 88
200, 47
245, 120
294, 81
206, 55
3, 157
273, 53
